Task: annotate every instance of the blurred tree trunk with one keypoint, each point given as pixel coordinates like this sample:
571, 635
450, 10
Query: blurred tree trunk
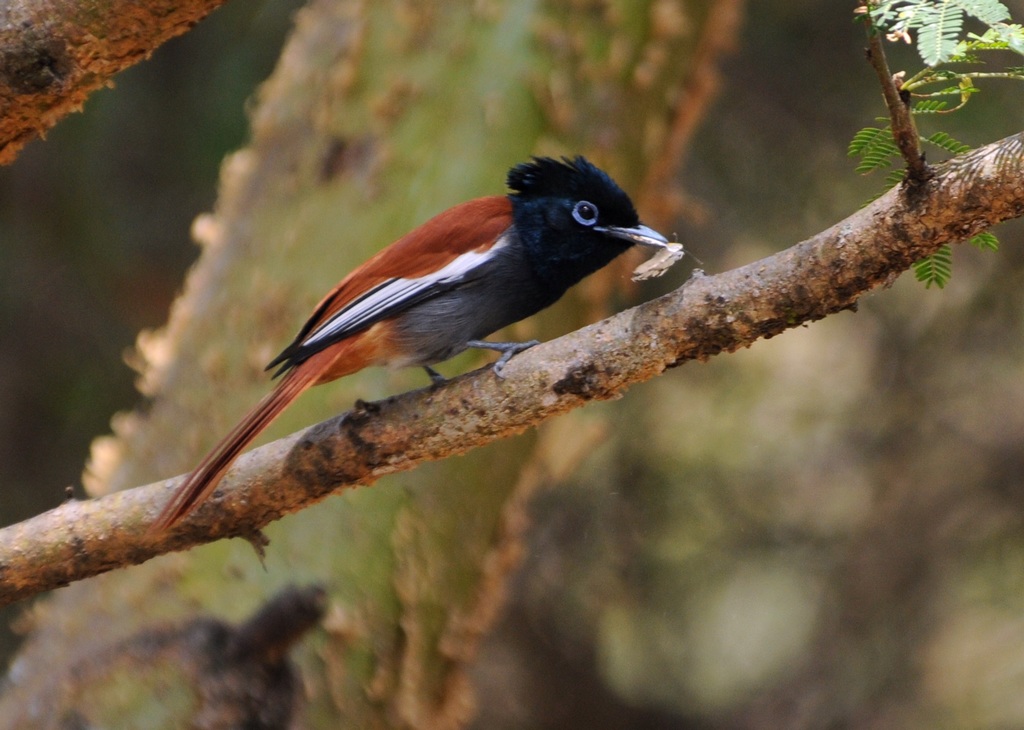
378, 116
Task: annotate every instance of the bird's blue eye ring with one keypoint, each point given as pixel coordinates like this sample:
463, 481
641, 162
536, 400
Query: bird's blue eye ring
585, 213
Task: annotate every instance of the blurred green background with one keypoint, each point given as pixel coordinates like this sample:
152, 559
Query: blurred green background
94, 242
830, 521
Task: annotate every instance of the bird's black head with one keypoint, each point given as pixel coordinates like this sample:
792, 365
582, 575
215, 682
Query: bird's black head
572, 219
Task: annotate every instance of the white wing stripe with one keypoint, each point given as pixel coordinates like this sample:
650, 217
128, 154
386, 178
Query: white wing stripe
392, 293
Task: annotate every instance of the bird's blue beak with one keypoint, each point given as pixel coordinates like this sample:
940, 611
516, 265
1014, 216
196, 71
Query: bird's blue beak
639, 234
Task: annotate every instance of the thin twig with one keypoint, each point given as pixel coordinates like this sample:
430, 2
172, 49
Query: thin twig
897, 100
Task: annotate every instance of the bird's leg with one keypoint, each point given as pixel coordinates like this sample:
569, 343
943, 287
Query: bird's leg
507, 350
435, 377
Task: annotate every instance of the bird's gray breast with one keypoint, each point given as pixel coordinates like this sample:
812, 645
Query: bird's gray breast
499, 292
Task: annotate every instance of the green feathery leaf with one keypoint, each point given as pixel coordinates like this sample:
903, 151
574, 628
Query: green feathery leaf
930, 106
939, 31
894, 178
947, 143
875, 147
939, 24
985, 241
935, 269
863, 139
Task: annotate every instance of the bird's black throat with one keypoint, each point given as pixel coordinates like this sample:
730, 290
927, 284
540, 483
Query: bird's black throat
560, 256
561, 246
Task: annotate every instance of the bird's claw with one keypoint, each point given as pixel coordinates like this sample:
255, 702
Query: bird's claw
508, 350
508, 353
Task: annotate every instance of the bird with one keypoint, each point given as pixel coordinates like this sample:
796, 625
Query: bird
440, 289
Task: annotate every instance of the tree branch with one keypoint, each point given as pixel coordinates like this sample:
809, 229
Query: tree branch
54, 53
710, 314
904, 130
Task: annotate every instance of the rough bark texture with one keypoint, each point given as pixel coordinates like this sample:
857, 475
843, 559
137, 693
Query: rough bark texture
54, 53
707, 316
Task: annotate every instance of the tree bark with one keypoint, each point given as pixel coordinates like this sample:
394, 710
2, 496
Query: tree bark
55, 53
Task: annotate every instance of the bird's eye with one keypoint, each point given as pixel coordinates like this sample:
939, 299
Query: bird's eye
585, 213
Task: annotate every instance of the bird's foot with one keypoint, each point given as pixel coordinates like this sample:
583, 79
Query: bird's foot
435, 377
508, 350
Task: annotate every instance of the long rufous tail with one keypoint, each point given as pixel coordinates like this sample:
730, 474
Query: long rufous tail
204, 478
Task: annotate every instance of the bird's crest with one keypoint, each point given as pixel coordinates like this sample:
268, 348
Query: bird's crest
573, 178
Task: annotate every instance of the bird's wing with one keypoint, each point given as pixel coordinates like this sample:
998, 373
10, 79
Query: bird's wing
435, 257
